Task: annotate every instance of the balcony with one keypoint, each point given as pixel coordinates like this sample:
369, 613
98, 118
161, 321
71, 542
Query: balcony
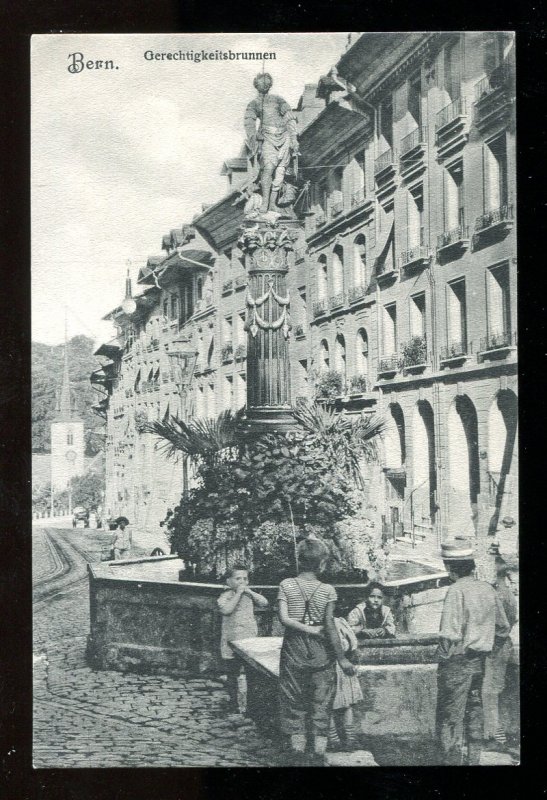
227, 353
497, 345
417, 138
299, 254
493, 97
299, 332
388, 366
337, 300
383, 163
412, 150
356, 293
450, 114
240, 352
415, 259
495, 223
452, 241
450, 127
456, 353
320, 308
227, 286
414, 358
240, 282
336, 209
359, 384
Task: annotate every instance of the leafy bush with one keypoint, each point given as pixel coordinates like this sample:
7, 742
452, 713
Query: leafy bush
415, 351
328, 385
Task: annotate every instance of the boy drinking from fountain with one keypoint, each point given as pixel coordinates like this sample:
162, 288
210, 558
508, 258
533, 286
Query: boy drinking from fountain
236, 605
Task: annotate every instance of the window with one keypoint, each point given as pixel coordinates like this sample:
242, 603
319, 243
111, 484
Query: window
200, 288
415, 217
452, 69
360, 261
457, 315
361, 352
414, 99
337, 270
303, 374
385, 122
389, 338
70, 438
211, 352
417, 315
324, 363
229, 392
495, 174
322, 278
361, 183
174, 306
227, 330
240, 330
340, 357
498, 301
166, 308
454, 212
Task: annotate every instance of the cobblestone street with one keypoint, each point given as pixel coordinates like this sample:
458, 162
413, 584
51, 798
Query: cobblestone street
86, 718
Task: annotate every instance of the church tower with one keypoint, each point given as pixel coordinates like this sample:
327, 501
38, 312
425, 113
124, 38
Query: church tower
67, 436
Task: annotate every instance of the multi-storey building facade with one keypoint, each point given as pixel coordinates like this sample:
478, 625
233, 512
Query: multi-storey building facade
403, 288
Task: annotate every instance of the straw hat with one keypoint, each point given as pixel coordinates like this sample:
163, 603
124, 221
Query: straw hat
457, 550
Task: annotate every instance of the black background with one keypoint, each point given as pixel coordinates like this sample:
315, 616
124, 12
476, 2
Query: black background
18, 781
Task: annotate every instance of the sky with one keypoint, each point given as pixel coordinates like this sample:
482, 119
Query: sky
121, 156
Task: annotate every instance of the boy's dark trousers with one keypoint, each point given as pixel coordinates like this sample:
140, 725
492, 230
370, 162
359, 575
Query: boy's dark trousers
232, 666
459, 708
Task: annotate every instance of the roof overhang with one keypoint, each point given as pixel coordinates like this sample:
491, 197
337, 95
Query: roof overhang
220, 222
331, 130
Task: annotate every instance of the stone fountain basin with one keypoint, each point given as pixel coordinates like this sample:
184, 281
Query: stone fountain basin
143, 618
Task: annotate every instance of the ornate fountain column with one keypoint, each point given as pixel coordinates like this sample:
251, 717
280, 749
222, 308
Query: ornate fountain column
266, 246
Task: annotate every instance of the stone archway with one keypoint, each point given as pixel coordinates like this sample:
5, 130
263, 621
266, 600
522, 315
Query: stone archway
463, 463
424, 476
502, 435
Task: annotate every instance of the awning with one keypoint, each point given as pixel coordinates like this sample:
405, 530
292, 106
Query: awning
110, 350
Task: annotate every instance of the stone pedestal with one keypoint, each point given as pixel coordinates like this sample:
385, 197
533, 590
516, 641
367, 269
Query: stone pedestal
266, 246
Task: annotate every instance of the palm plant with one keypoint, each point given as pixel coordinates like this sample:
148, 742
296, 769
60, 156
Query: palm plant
210, 440
347, 439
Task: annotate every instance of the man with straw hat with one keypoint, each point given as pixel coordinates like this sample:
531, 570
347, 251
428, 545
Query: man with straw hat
472, 617
123, 539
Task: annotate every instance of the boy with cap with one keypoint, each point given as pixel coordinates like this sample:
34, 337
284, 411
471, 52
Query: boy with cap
472, 617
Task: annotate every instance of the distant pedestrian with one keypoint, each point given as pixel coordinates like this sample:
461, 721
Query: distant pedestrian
471, 618
343, 734
371, 619
497, 661
236, 605
311, 647
123, 539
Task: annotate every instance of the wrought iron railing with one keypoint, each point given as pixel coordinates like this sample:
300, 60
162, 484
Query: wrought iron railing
420, 252
359, 384
456, 350
413, 139
383, 161
227, 285
337, 300
389, 364
320, 307
497, 79
490, 218
497, 340
453, 236
356, 292
449, 113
